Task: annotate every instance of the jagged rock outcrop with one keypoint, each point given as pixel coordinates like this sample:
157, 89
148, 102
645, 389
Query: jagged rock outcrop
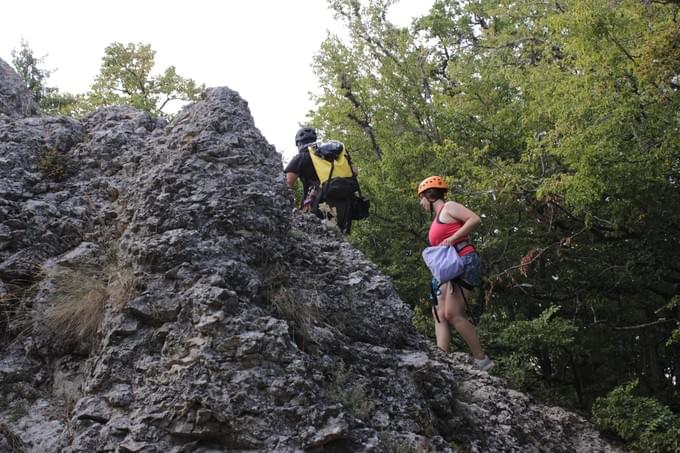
15, 100
228, 321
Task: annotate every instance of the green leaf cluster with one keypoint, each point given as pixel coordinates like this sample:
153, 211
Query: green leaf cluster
648, 425
30, 69
28, 66
126, 78
55, 165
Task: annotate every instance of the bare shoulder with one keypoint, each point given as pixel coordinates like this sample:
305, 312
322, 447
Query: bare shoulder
458, 211
453, 207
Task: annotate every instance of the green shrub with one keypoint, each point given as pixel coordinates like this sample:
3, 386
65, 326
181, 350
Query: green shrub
54, 165
675, 336
535, 352
647, 424
422, 318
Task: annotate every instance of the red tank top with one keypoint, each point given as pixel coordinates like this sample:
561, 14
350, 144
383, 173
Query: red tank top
440, 231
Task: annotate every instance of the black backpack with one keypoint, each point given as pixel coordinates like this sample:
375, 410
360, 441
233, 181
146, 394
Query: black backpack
330, 150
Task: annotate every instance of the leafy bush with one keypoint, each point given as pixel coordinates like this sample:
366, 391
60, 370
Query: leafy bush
675, 336
644, 422
54, 165
533, 351
422, 318
546, 332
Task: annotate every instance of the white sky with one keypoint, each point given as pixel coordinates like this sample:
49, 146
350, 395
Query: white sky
261, 48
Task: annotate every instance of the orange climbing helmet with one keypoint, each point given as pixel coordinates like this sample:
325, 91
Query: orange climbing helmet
433, 182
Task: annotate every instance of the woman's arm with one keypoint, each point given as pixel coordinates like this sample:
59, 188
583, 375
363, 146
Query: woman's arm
458, 213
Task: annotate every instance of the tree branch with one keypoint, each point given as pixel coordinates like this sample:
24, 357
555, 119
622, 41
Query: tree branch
622, 49
540, 252
363, 123
648, 324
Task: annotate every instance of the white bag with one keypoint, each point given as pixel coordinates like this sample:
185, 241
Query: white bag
444, 262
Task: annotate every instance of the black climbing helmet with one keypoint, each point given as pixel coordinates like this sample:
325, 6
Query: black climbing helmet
305, 135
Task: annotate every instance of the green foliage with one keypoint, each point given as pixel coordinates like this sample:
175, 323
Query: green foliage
546, 332
675, 336
557, 123
126, 77
55, 165
647, 424
57, 103
422, 317
29, 67
540, 353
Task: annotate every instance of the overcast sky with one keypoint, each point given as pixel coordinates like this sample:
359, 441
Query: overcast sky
261, 48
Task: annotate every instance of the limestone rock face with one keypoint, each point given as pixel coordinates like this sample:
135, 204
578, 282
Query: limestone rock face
225, 320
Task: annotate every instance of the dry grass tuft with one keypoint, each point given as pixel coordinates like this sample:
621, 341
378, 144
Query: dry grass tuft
122, 288
299, 315
288, 305
5, 312
77, 306
351, 394
78, 303
16, 318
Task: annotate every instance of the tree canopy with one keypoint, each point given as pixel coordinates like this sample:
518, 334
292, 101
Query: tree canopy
30, 69
126, 77
558, 123
28, 66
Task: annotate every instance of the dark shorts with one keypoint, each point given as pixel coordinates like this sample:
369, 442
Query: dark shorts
473, 269
472, 272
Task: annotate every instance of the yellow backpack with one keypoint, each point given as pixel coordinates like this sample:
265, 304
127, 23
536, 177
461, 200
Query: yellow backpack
333, 167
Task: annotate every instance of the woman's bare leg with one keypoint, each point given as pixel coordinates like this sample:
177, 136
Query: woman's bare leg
454, 313
442, 330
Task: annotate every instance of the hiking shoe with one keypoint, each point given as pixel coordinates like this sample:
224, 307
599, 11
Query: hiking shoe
484, 364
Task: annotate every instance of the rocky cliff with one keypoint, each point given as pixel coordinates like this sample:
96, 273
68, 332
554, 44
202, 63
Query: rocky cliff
158, 293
